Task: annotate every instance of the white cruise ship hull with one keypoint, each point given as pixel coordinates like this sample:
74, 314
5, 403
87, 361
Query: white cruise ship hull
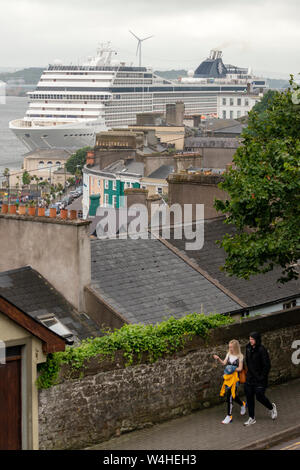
69, 135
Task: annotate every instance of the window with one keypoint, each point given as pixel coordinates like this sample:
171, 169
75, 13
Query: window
114, 201
41, 164
246, 102
114, 185
231, 114
239, 101
290, 304
224, 114
57, 163
128, 184
49, 163
231, 101
106, 184
224, 101
106, 200
159, 189
238, 114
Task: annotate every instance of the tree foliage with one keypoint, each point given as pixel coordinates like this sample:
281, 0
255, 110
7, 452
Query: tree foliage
266, 101
263, 186
26, 178
77, 161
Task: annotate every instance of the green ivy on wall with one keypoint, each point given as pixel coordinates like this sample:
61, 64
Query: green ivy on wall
156, 340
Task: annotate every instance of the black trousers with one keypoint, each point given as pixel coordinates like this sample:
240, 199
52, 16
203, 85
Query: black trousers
230, 400
257, 391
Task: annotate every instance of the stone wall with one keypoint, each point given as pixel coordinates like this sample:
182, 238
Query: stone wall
109, 399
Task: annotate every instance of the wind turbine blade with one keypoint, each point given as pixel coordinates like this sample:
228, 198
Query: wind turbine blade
134, 35
147, 38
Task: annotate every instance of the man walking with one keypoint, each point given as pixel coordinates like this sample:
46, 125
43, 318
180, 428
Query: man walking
258, 364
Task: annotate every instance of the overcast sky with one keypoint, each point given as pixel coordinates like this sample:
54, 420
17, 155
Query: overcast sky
262, 33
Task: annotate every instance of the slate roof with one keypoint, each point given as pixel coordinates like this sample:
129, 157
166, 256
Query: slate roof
258, 290
28, 290
146, 282
129, 166
162, 172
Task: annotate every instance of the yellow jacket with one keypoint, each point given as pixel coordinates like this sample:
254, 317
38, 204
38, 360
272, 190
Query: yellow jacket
230, 380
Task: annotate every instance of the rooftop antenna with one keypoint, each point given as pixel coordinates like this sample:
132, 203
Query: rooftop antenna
139, 46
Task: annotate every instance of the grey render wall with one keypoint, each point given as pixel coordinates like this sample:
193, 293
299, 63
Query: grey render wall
57, 249
110, 400
196, 189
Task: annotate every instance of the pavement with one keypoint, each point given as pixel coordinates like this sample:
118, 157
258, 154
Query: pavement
203, 430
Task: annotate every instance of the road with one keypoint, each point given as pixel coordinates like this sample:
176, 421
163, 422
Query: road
293, 444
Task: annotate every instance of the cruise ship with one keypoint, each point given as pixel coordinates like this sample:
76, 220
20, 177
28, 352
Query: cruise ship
72, 103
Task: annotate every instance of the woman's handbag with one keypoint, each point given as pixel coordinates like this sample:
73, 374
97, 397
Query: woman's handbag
242, 375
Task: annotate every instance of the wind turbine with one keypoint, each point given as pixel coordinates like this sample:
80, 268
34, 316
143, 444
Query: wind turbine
139, 46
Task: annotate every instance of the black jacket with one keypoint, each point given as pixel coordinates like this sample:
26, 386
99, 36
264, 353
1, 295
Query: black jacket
258, 363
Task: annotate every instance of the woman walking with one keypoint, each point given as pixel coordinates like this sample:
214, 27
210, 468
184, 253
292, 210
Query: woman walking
233, 363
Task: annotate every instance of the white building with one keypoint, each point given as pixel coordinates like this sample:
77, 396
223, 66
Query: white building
234, 105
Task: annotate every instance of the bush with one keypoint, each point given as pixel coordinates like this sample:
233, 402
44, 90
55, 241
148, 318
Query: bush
156, 340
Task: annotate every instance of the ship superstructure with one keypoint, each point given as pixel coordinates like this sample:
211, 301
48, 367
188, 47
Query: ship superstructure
72, 103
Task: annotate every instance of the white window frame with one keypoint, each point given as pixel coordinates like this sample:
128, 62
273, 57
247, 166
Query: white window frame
106, 184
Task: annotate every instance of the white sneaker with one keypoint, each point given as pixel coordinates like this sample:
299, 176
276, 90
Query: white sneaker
273, 412
243, 408
250, 421
227, 420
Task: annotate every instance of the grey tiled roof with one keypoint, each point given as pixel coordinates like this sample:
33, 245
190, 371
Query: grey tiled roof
259, 289
28, 290
146, 282
162, 172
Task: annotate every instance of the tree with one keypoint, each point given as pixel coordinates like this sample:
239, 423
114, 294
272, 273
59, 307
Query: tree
264, 192
77, 160
26, 178
266, 101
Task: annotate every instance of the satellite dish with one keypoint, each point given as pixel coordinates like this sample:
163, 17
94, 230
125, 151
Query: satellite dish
190, 73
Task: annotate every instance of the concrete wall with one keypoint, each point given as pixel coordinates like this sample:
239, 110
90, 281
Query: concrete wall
100, 312
154, 161
57, 249
196, 189
217, 158
103, 158
216, 151
110, 399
